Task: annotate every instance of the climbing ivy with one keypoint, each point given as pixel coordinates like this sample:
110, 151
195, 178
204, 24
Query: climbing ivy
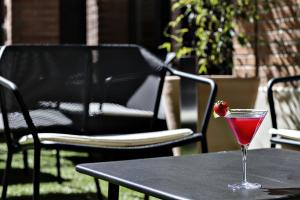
206, 29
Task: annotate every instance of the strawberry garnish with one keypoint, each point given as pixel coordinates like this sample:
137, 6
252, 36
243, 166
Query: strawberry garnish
220, 108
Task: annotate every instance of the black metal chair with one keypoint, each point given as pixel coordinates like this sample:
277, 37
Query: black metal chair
88, 98
289, 135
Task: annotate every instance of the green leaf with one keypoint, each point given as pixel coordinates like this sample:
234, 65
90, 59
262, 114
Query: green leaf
183, 51
176, 38
215, 115
214, 2
202, 66
175, 6
166, 45
198, 19
242, 39
202, 69
182, 30
177, 21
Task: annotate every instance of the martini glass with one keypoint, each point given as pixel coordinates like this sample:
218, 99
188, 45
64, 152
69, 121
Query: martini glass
244, 123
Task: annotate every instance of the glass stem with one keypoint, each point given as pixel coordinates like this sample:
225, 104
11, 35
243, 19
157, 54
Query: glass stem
244, 159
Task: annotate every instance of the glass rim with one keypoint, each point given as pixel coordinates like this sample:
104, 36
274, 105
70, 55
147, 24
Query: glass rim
245, 113
246, 110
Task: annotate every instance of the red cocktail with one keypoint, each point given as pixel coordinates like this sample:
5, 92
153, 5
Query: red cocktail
244, 128
244, 123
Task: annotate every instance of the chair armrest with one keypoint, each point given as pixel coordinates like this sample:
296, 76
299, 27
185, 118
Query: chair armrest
8, 84
14, 89
169, 58
211, 98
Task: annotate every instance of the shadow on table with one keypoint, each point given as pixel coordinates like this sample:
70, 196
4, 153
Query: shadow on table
286, 193
17, 176
59, 196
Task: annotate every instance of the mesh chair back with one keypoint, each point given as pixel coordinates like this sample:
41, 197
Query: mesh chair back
130, 80
83, 89
46, 76
131, 75
284, 96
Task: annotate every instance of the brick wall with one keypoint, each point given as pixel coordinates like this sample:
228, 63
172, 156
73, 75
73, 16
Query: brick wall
107, 21
114, 21
150, 26
31, 21
278, 42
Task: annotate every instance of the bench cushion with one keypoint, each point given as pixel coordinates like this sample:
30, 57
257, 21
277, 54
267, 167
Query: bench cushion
68, 118
286, 133
105, 116
110, 109
124, 140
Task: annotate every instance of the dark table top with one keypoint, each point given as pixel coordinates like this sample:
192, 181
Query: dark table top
205, 176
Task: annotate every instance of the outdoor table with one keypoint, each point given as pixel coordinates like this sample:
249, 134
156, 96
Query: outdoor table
204, 176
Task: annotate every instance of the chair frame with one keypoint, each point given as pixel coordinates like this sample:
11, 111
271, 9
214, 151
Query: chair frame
275, 140
37, 145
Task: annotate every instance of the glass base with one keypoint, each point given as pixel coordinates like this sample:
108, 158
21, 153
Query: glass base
244, 186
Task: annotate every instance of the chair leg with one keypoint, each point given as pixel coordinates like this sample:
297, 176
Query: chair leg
98, 189
59, 178
25, 161
204, 145
113, 191
273, 145
36, 173
6, 174
146, 197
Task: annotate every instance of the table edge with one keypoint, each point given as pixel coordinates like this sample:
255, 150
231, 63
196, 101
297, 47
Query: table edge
125, 183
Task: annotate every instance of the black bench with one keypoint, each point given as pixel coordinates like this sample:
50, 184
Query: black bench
87, 98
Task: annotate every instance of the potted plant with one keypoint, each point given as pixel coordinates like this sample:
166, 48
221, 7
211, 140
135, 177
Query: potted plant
204, 31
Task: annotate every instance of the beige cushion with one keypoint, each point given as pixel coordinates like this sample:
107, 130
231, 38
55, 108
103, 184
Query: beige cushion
286, 133
109, 109
119, 110
124, 140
